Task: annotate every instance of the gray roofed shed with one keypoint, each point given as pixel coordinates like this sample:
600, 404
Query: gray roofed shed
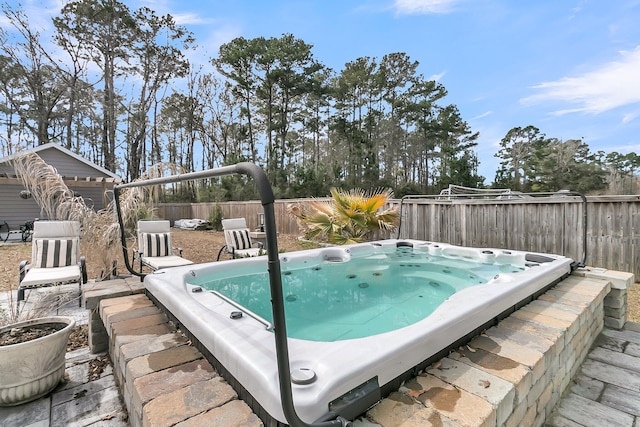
85, 178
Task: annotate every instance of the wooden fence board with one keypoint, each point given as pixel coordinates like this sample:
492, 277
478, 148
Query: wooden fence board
536, 224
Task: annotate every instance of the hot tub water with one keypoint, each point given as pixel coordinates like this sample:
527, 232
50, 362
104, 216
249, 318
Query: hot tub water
361, 296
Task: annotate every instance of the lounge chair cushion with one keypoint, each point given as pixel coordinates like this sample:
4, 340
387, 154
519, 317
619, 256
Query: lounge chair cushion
240, 238
249, 252
157, 263
51, 276
55, 253
155, 244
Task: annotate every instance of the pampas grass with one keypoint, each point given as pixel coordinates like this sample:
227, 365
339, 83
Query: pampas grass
100, 229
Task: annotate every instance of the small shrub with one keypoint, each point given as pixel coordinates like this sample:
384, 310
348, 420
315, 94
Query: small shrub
214, 222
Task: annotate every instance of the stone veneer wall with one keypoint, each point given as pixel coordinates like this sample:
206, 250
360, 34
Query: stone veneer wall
615, 303
512, 374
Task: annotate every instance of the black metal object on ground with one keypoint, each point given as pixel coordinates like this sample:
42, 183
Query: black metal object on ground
25, 231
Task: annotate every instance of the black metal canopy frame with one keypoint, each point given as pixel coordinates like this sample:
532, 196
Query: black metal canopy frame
273, 267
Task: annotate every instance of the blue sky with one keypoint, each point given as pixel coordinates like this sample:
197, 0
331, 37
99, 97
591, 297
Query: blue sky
569, 67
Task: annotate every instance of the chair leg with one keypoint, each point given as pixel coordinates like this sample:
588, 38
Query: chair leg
83, 269
220, 252
20, 298
21, 273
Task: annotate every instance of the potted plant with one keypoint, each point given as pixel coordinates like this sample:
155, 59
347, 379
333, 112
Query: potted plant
32, 358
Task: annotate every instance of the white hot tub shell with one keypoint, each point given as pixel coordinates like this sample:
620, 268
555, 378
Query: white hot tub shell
326, 371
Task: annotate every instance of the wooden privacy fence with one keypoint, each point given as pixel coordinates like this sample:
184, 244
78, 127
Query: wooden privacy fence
547, 225
247, 209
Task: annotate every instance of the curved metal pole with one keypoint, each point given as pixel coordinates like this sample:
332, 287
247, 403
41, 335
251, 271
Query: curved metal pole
277, 300
273, 267
123, 237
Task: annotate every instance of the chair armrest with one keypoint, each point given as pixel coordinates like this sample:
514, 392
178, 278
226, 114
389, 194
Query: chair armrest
24, 267
136, 254
179, 251
259, 244
83, 268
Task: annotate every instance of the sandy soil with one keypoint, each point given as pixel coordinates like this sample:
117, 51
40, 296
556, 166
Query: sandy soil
197, 245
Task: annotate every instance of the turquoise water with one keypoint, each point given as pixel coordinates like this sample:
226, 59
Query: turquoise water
361, 297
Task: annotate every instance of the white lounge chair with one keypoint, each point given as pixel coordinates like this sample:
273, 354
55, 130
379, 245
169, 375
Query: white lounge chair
238, 240
55, 258
154, 246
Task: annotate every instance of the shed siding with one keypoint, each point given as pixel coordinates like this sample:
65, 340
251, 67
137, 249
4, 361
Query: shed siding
65, 165
15, 210
6, 168
92, 196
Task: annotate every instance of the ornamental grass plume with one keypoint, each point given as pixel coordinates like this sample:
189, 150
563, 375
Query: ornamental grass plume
99, 229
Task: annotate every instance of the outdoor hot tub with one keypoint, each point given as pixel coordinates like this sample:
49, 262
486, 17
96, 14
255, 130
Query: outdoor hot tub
359, 318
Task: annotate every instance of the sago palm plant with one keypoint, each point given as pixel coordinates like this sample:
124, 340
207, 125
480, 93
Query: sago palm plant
349, 217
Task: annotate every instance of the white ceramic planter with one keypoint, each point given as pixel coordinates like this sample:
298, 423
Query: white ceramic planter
32, 369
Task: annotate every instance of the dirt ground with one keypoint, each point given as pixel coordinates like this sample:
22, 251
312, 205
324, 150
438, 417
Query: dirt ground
198, 246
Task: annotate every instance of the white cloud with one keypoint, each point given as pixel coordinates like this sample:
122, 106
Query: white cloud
629, 117
481, 116
38, 15
623, 148
424, 7
612, 85
437, 77
208, 46
193, 18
